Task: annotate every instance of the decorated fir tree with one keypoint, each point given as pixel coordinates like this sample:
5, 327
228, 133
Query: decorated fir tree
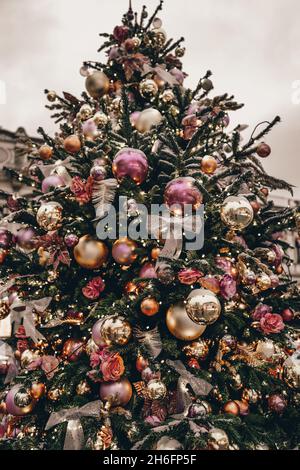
113, 342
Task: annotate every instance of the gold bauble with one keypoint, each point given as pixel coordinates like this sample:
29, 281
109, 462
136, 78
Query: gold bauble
115, 330
155, 253
149, 307
49, 216
263, 281
85, 112
218, 439
203, 307
198, 349
97, 84
156, 389
28, 356
160, 36
72, 144
209, 164
100, 119
148, 88
180, 325
291, 371
124, 251
167, 96
45, 152
4, 308
231, 407
90, 253
51, 96
37, 390
179, 51
73, 349
236, 212
147, 119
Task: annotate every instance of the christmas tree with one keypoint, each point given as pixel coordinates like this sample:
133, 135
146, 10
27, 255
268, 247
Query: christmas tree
114, 341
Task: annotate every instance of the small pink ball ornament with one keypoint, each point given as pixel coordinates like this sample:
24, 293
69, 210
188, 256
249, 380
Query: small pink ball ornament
180, 192
131, 163
18, 394
118, 393
148, 271
52, 182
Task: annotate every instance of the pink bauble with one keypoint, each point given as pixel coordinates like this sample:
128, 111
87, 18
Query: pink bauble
118, 393
134, 116
98, 172
12, 408
89, 128
130, 163
148, 271
26, 238
52, 182
6, 238
96, 334
287, 314
180, 192
71, 240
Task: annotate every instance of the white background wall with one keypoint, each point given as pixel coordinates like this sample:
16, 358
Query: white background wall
251, 46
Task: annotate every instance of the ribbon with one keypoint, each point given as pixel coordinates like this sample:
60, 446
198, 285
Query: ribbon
74, 438
199, 386
7, 354
20, 310
60, 168
162, 73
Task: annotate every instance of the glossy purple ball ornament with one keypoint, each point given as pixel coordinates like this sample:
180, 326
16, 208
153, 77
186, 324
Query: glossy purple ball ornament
131, 163
71, 240
98, 172
25, 239
148, 271
52, 182
11, 406
118, 393
180, 192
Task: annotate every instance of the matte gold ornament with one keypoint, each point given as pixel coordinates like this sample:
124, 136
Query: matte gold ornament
209, 164
291, 371
167, 443
147, 119
180, 325
90, 253
218, 439
148, 88
203, 306
116, 330
198, 349
4, 308
156, 389
45, 152
97, 84
236, 212
49, 216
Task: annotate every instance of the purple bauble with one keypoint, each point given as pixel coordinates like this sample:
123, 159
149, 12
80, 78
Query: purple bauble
276, 403
98, 172
52, 182
12, 408
26, 238
131, 163
89, 128
148, 374
96, 334
71, 240
148, 271
6, 238
180, 192
118, 393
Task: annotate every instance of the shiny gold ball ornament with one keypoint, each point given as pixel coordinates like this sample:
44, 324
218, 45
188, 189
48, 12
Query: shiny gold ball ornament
100, 119
167, 96
90, 253
179, 51
72, 144
203, 307
149, 306
231, 407
28, 356
236, 212
45, 152
124, 251
263, 281
198, 349
167, 443
37, 390
218, 439
147, 119
49, 216
148, 88
51, 96
159, 37
291, 371
97, 84
115, 330
4, 308
180, 325
156, 389
155, 253
209, 164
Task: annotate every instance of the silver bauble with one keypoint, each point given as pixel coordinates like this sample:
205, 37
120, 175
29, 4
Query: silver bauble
203, 307
291, 371
49, 216
236, 212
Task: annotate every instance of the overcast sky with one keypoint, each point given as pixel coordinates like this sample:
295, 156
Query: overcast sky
252, 47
